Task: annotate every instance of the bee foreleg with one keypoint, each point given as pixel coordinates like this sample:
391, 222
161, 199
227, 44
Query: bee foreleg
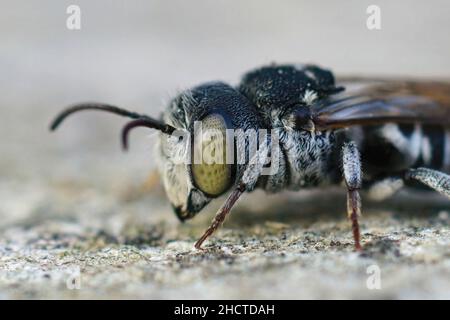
351, 165
436, 180
221, 215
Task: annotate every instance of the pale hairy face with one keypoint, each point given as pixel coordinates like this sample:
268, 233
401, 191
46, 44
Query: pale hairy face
182, 194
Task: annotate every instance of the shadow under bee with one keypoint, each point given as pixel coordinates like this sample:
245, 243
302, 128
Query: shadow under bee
311, 207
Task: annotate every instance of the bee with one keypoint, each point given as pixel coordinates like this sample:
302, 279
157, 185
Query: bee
328, 130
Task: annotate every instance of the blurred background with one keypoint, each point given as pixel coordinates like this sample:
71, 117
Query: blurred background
137, 54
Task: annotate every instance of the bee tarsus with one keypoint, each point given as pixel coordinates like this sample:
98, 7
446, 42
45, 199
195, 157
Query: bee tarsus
436, 180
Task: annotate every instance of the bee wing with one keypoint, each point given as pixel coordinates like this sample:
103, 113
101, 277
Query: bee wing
370, 102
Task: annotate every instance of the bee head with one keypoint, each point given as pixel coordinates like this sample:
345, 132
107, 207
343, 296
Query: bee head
199, 161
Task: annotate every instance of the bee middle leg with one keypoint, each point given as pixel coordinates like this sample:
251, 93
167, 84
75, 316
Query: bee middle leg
351, 165
434, 179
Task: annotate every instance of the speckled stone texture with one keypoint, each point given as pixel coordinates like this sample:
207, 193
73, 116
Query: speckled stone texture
86, 243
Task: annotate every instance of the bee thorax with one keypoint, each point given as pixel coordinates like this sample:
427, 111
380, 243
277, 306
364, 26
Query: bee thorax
305, 160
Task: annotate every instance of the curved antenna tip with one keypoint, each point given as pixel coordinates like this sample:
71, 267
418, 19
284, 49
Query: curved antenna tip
57, 121
91, 106
53, 126
124, 142
144, 122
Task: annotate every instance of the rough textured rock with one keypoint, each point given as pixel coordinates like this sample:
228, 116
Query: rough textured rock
102, 244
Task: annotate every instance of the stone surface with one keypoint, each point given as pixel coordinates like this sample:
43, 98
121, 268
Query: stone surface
102, 244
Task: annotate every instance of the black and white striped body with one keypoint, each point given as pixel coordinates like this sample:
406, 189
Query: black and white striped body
391, 149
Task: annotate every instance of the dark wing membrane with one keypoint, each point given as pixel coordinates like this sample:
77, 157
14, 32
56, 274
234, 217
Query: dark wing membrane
370, 102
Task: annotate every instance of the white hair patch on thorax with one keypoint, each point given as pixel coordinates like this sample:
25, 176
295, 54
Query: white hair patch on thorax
310, 75
309, 97
300, 66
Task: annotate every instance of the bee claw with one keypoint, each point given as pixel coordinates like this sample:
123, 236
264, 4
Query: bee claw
198, 246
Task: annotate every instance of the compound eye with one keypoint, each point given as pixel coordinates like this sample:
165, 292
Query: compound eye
210, 171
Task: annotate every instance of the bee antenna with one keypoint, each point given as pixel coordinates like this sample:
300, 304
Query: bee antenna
92, 106
144, 122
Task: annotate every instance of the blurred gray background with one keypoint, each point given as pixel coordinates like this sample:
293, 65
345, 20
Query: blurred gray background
137, 54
